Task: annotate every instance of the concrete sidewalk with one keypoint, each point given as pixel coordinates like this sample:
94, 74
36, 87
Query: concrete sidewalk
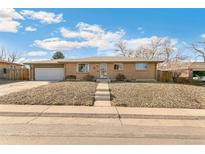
101, 112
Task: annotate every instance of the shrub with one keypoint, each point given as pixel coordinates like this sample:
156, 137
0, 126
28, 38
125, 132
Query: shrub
120, 77
128, 80
183, 80
71, 77
88, 77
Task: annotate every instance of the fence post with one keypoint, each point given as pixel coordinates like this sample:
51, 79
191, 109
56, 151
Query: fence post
17, 74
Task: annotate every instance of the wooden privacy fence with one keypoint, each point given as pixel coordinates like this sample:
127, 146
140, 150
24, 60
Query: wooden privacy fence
164, 76
169, 76
17, 74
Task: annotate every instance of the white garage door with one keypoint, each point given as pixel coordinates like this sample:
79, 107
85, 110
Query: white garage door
49, 73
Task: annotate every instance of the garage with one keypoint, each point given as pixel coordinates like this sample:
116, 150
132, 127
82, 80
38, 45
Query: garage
197, 72
51, 74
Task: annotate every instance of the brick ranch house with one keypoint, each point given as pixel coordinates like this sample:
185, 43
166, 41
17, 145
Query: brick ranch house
99, 67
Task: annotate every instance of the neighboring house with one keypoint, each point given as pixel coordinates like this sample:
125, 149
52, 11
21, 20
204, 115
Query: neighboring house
190, 71
4, 65
99, 67
197, 71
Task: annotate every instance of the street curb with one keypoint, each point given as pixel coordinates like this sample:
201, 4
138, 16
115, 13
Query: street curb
174, 117
101, 115
71, 115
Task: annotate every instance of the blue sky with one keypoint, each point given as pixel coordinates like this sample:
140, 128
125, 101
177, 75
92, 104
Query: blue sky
37, 33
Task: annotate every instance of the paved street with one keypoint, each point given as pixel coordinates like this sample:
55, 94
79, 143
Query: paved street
59, 130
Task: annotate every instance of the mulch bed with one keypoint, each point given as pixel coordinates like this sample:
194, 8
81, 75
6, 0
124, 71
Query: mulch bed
161, 95
61, 93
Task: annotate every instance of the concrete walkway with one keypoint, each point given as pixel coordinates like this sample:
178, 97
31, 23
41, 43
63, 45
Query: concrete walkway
102, 95
101, 112
6, 89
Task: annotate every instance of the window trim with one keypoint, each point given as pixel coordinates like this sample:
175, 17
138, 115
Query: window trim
141, 69
119, 67
77, 68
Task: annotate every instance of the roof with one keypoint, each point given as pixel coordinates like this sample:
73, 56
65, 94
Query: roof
95, 59
182, 66
197, 65
52, 61
172, 65
9, 63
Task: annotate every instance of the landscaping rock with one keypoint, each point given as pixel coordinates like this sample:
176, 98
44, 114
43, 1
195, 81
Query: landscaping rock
61, 93
162, 95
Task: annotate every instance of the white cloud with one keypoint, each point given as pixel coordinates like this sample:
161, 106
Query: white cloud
9, 26
72, 34
38, 59
203, 35
30, 29
24, 60
21, 60
9, 14
139, 28
8, 20
42, 16
91, 35
37, 53
88, 27
58, 44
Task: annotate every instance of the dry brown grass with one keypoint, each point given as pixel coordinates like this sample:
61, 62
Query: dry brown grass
61, 93
158, 95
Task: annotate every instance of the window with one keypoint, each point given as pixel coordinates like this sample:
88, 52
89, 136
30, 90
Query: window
141, 66
83, 68
4, 70
13, 67
118, 67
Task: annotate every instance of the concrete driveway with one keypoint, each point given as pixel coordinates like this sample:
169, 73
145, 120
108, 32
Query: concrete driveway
19, 86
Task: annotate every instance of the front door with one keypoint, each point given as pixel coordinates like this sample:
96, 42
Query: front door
103, 70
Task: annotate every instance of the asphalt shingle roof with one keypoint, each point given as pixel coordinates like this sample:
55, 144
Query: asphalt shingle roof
95, 59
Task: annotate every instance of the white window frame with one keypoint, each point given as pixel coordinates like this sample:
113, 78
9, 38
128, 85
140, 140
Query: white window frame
119, 67
77, 69
141, 69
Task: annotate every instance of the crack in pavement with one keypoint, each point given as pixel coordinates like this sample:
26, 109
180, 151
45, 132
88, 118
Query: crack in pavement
28, 122
119, 117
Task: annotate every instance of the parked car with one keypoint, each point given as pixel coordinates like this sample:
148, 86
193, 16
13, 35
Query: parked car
199, 78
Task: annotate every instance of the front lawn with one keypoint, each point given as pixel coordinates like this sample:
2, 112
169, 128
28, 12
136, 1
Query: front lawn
157, 95
61, 93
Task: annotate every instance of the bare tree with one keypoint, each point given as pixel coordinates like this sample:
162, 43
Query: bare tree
174, 59
168, 50
156, 47
2, 53
8, 56
199, 48
13, 57
121, 48
153, 49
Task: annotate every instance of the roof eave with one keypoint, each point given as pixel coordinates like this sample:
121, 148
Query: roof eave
84, 61
38, 63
